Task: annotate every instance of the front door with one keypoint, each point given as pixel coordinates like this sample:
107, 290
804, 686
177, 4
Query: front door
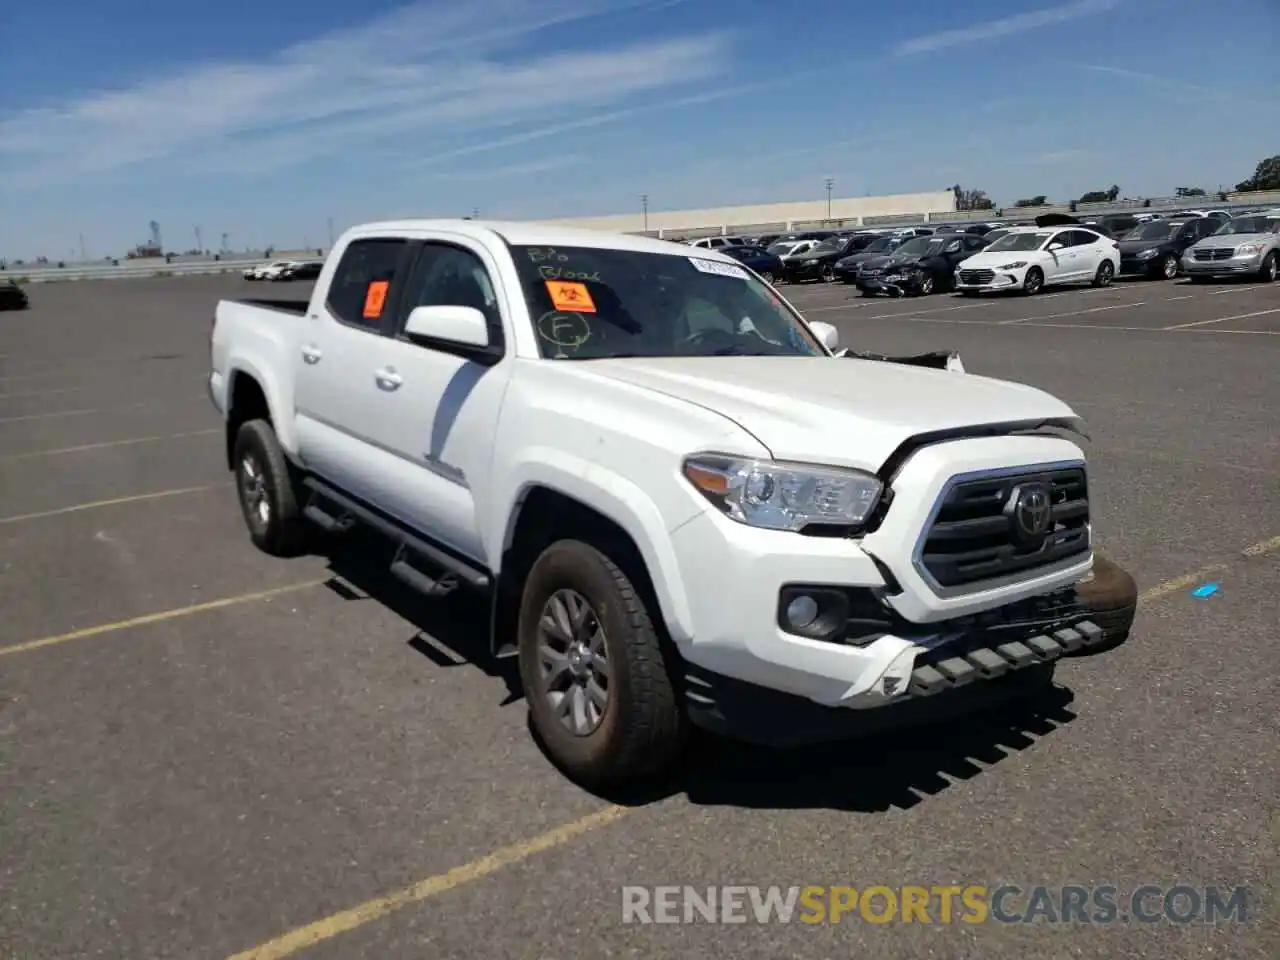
445, 406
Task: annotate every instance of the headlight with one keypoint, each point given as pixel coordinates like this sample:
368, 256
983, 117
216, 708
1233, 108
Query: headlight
1148, 254
1249, 249
783, 496
1016, 265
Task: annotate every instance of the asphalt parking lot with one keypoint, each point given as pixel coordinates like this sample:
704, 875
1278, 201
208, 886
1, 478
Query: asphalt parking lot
208, 753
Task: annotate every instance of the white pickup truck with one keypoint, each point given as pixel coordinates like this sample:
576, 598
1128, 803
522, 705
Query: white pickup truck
685, 507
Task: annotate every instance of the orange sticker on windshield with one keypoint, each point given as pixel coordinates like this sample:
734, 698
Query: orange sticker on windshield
570, 297
375, 298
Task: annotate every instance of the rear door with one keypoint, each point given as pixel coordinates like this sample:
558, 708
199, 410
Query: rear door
338, 403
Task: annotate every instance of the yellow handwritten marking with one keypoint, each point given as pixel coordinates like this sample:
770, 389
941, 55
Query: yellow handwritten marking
160, 617
371, 910
116, 501
106, 444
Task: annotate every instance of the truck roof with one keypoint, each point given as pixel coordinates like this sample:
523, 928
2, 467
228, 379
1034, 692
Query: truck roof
537, 234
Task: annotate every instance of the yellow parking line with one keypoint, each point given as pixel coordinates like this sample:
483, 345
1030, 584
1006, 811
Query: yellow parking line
160, 617
115, 501
371, 910
105, 445
338, 923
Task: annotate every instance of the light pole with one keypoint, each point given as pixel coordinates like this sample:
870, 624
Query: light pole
830, 182
331, 233
644, 204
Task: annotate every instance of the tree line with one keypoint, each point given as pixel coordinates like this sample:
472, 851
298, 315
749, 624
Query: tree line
1265, 177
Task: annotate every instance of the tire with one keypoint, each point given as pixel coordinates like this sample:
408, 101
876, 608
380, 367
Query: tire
927, 285
767, 277
827, 273
1169, 267
1033, 282
1112, 598
1106, 272
267, 488
1270, 268
640, 731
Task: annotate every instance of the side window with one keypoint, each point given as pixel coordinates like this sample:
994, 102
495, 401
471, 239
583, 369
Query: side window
1082, 238
1063, 238
952, 247
972, 242
362, 279
451, 276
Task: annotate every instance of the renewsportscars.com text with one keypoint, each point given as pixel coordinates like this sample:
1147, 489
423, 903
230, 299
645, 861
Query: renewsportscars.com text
935, 904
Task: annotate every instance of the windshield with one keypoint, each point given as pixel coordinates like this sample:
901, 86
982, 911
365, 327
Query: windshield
1019, 241
1249, 225
881, 245
784, 247
1155, 230
920, 247
589, 304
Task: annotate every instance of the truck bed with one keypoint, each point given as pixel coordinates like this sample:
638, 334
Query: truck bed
294, 306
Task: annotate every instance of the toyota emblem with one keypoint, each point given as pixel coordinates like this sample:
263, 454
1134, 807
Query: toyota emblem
1030, 510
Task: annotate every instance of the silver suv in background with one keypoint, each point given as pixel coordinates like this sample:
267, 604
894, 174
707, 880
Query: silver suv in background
1245, 246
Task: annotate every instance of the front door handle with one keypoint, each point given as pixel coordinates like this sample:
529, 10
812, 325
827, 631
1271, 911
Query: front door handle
311, 355
388, 379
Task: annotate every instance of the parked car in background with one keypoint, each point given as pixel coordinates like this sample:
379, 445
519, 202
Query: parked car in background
788, 248
767, 265
1030, 258
1155, 249
1110, 224
1245, 246
268, 271
307, 270
879, 248
12, 296
819, 262
716, 243
921, 266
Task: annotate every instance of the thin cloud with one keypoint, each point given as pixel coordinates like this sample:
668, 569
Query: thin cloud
444, 71
1005, 26
1171, 84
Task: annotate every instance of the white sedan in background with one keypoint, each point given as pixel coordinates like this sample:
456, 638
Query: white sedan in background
1031, 258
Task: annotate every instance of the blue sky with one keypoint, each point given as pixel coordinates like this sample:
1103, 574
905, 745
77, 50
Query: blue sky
265, 120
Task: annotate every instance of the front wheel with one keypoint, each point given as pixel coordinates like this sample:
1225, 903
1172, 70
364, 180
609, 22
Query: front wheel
1104, 275
828, 273
600, 697
767, 277
1033, 283
1270, 268
1169, 267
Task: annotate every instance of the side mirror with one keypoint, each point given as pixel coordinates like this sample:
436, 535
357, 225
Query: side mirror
462, 330
1057, 246
825, 332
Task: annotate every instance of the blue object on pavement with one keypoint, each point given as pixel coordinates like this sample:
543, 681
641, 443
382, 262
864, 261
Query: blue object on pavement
1207, 590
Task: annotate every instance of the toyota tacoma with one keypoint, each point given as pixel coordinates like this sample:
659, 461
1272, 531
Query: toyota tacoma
684, 506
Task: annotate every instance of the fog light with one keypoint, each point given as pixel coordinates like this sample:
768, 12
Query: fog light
802, 611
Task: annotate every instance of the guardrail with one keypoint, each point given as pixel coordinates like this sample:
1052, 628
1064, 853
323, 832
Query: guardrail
128, 269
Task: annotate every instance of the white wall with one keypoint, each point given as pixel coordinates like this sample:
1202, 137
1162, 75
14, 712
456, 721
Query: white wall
770, 214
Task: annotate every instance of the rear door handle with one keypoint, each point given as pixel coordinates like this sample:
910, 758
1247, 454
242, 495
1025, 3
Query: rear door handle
388, 379
311, 355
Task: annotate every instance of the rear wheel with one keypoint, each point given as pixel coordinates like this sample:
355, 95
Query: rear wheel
1104, 275
1033, 283
600, 697
267, 488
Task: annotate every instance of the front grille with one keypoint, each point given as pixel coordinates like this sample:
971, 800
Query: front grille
1216, 253
973, 540
977, 276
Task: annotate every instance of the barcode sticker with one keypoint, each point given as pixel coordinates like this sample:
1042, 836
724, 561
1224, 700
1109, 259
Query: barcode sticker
718, 268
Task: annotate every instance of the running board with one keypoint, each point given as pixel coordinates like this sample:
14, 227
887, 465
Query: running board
334, 511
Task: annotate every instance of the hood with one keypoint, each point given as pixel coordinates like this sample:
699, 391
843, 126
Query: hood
910, 260
1235, 239
876, 259
843, 412
1137, 246
996, 258
862, 257
817, 255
